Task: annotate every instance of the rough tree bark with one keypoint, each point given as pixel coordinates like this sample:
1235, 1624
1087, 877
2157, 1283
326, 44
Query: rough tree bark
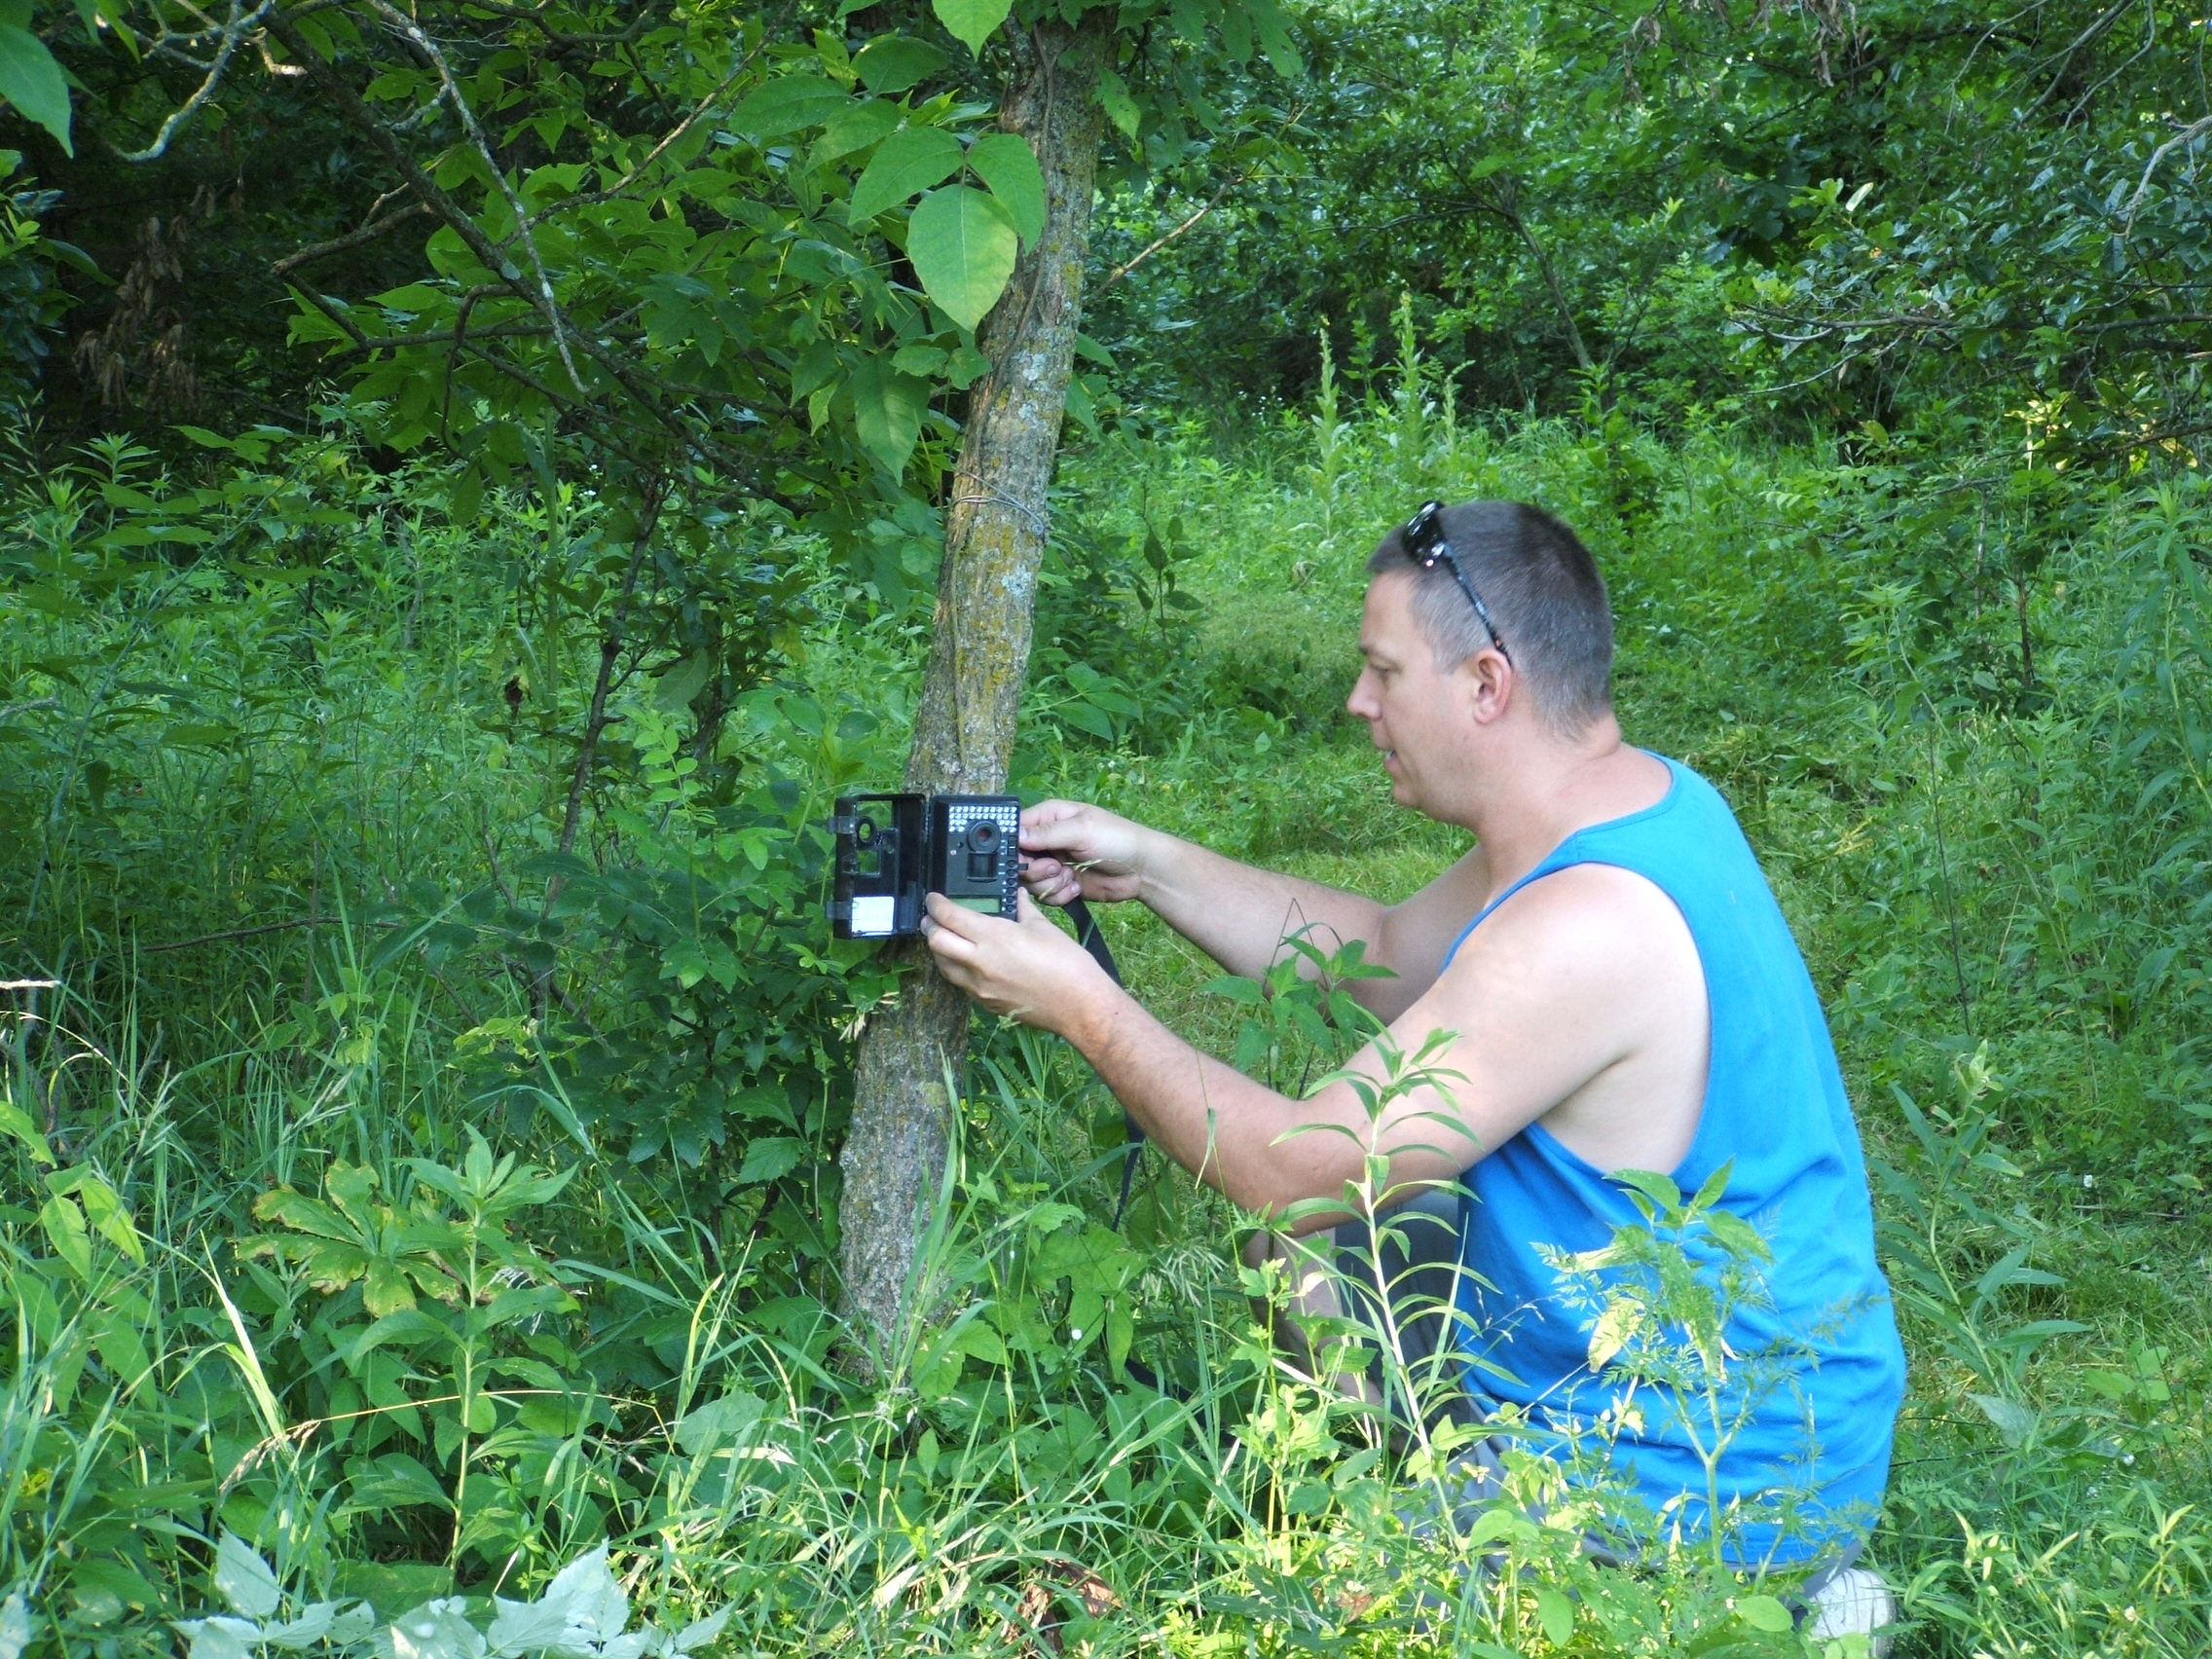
964, 728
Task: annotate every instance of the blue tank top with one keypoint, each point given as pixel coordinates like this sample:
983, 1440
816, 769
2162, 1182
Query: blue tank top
1813, 1404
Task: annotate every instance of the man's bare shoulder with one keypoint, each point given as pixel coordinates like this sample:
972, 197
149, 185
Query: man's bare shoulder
1590, 931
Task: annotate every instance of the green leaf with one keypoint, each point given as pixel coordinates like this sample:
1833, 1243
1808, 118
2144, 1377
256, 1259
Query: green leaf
1005, 162
863, 124
718, 1423
64, 1225
107, 1215
769, 1157
1121, 108
243, 1579
1660, 1189
891, 63
1236, 989
786, 105
1274, 31
962, 245
465, 498
1556, 1613
971, 22
978, 1340
1088, 717
395, 1481
2014, 1423
31, 81
887, 411
15, 1122
910, 159
1763, 1613
1615, 1329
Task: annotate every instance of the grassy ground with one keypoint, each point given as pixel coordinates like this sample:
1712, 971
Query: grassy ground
1997, 865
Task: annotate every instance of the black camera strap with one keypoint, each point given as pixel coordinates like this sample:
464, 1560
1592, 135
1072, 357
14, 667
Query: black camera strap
1087, 935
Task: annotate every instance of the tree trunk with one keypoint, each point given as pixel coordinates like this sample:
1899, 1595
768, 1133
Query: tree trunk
994, 537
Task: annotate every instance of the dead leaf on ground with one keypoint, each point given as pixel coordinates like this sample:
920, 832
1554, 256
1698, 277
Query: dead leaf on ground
1041, 1611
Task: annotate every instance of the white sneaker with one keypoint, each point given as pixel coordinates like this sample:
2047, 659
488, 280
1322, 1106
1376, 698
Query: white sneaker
1854, 1602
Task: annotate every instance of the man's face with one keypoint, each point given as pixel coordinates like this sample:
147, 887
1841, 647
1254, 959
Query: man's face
1417, 716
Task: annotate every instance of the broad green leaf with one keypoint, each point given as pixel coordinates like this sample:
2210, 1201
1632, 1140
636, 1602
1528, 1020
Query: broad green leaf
717, 1423
465, 498
911, 160
1236, 989
1005, 162
14, 1626
1121, 108
786, 105
769, 1157
108, 1217
1763, 1613
858, 128
971, 22
31, 81
116, 1336
1556, 1613
64, 1225
2014, 1423
978, 1340
15, 1122
891, 63
1274, 31
384, 1288
243, 1579
395, 1481
1659, 1189
962, 245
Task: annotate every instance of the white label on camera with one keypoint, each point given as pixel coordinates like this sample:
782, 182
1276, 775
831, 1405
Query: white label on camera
876, 916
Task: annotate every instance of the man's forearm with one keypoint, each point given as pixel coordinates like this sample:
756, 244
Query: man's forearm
1239, 915
1210, 1118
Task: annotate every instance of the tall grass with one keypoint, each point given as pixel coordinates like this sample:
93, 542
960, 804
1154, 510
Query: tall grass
2000, 881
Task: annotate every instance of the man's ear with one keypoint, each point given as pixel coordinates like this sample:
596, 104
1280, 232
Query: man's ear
1492, 685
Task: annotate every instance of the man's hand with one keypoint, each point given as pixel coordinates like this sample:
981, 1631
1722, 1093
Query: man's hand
1078, 851
1028, 968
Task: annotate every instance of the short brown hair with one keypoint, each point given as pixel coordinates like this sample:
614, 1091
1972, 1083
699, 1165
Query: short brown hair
1543, 587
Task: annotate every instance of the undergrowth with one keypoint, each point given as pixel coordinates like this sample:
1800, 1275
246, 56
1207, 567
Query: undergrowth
420, 1202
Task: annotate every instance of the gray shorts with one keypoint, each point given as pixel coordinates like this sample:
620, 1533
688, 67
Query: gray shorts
1419, 1269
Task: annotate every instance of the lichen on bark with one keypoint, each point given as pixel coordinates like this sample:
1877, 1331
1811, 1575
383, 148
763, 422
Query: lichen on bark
913, 1052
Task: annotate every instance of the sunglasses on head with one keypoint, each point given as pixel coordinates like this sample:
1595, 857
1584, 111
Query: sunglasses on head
1426, 544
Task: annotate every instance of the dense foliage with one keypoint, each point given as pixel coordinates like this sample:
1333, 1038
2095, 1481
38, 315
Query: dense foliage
431, 639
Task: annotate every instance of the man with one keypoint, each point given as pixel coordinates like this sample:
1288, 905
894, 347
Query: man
1624, 995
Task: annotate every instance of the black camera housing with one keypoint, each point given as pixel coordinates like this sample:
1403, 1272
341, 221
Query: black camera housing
892, 849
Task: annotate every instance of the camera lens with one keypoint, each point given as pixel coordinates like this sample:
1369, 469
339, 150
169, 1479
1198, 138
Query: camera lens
983, 834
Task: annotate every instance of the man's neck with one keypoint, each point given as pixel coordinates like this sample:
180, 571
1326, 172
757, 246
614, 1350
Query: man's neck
1550, 787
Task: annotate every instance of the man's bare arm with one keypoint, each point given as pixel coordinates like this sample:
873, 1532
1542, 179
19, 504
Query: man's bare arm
1580, 1002
1239, 915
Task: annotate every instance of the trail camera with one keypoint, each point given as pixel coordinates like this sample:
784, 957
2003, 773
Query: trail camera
892, 849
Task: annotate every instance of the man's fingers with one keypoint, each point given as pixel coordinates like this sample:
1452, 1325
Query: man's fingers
948, 946
954, 918
1051, 880
1051, 825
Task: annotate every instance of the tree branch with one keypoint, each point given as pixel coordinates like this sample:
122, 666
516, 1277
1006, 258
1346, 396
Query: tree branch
232, 30
407, 29
353, 239
2189, 135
